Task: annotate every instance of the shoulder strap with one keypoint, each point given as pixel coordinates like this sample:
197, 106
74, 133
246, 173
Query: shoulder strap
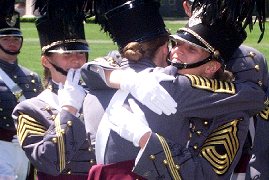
103, 130
14, 88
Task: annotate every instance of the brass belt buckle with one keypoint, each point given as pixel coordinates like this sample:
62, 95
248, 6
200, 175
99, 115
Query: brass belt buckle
17, 93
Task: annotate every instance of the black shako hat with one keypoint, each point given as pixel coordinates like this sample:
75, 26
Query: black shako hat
9, 19
60, 26
220, 39
134, 21
219, 27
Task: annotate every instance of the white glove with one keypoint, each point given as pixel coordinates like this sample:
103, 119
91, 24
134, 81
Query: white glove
145, 87
115, 55
72, 94
129, 125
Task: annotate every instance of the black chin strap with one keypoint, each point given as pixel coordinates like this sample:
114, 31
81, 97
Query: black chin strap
188, 66
9, 52
59, 69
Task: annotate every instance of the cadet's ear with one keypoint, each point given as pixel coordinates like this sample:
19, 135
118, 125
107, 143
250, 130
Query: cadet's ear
187, 8
161, 55
164, 48
212, 67
45, 62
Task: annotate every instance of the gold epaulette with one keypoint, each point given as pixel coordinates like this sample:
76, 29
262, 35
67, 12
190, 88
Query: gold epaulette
224, 138
212, 85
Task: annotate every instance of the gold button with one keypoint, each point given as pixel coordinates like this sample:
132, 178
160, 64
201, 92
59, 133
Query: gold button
260, 83
34, 90
54, 140
205, 122
69, 172
15, 76
152, 157
90, 149
257, 67
92, 161
198, 133
165, 162
252, 54
47, 108
1, 109
4, 117
216, 53
195, 147
177, 167
69, 123
33, 81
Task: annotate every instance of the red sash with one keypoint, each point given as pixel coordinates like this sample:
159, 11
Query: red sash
43, 176
116, 171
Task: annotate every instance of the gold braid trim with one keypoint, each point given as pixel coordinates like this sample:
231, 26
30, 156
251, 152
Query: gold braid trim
224, 137
60, 141
27, 126
212, 85
44, 48
169, 158
197, 36
265, 113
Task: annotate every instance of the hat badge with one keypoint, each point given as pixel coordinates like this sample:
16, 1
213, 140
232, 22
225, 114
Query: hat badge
11, 21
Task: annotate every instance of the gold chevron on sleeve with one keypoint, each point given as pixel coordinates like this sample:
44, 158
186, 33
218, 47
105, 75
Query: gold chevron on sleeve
264, 114
27, 126
212, 85
221, 146
171, 164
60, 142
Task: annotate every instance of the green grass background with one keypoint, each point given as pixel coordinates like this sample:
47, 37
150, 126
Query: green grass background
101, 44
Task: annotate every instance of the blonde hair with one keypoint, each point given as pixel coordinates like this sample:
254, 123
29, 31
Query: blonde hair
136, 51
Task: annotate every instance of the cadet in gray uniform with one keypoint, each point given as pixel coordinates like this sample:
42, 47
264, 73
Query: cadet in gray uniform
50, 126
198, 130
258, 166
151, 39
248, 64
17, 83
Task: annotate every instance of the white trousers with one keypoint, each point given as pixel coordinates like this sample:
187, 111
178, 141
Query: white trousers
14, 164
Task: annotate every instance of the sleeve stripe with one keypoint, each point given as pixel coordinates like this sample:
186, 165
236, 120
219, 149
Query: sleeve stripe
28, 126
169, 158
224, 136
60, 141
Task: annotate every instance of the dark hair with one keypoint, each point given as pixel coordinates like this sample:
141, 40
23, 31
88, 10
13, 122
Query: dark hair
136, 51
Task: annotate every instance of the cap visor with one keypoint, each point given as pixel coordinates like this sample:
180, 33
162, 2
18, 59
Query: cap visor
10, 32
69, 48
187, 38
